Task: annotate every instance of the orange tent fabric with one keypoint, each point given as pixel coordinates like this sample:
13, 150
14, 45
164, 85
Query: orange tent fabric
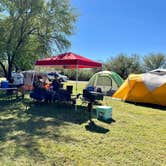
144, 88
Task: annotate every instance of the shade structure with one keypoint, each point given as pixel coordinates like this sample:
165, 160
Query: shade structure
69, 61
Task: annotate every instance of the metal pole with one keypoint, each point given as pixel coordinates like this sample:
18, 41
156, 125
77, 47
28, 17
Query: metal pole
33, 77
76, 79
90, 107
76, 85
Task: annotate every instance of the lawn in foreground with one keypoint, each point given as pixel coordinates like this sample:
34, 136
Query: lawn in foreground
56, 134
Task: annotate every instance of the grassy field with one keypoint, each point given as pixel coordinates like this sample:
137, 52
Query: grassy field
57, 135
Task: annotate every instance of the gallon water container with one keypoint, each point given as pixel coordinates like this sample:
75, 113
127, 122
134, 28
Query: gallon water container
4, 84
104, 112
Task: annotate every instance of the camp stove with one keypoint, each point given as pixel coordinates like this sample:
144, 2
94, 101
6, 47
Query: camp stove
91, 97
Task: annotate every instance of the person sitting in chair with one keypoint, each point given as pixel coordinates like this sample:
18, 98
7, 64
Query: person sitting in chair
56, 84
40, 92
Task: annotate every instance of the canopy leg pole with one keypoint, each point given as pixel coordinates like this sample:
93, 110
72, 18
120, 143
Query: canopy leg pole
33, 78
76, 86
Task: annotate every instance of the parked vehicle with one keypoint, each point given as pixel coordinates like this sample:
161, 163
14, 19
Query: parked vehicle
61, 77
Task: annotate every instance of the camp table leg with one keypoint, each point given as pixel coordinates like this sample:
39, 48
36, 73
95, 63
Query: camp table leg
89, 108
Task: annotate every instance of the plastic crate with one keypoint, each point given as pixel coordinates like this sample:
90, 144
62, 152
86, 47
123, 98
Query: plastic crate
104, 112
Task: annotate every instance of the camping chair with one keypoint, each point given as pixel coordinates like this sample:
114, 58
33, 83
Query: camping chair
65, 95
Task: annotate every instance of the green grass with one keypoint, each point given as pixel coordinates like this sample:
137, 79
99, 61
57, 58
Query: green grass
56, 134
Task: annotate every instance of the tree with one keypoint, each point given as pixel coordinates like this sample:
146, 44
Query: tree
124, 65
154, 61
31, 29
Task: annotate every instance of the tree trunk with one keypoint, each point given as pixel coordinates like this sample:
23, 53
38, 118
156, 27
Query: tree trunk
9, 72
4, 69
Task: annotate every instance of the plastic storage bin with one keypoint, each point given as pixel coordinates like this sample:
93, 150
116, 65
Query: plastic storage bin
104, 112
4, 84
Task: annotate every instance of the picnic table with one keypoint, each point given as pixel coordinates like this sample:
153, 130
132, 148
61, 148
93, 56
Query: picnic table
13, 89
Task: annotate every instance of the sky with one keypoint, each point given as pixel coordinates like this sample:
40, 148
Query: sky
106, 28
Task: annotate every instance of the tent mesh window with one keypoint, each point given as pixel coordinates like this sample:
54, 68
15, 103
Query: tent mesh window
104, 82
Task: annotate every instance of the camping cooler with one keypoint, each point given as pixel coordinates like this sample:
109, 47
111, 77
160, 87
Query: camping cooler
104, 112
4, 84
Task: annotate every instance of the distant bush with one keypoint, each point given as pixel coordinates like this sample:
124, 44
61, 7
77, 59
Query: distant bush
153, 61
124, 65
83, 74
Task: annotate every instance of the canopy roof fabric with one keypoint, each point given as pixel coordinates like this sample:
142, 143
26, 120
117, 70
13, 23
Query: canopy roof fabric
68, 60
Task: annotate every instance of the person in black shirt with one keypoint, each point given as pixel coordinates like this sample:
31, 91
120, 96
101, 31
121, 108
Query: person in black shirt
56, 84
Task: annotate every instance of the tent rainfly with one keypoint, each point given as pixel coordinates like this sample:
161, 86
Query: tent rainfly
144, 88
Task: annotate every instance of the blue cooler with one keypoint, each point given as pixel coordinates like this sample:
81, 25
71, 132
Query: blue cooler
4, 84
104, 112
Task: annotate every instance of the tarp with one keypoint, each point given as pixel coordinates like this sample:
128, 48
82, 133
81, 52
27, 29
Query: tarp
29, 78
68, 60
144, 88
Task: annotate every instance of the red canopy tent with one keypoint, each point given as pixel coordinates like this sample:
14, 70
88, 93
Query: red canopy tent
69, 61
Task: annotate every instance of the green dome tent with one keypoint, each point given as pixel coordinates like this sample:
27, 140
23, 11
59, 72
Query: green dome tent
107, 81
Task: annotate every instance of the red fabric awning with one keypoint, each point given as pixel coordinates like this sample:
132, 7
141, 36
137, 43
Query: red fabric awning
68, 60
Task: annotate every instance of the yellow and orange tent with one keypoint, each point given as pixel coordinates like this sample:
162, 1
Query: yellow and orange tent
144, 88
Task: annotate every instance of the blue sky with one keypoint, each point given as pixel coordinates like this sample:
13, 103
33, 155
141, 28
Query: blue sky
108, 27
